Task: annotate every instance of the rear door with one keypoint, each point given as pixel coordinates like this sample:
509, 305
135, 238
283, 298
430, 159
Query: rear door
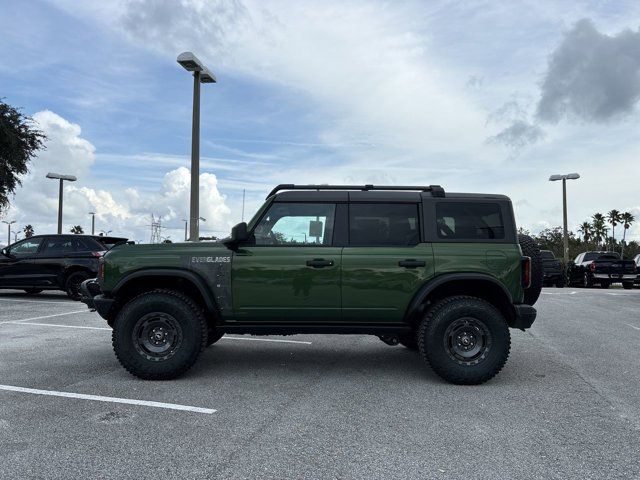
385, 262
18, 270
291, 270
59, 252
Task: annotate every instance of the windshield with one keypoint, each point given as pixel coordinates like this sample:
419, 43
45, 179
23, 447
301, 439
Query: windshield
601, 255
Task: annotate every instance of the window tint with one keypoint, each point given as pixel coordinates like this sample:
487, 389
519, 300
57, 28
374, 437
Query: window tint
59, 245
26, 247
296, 224
469, 221
383, 224
546, 255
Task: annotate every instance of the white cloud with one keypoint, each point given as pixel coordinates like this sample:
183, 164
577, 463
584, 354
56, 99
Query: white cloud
126, 212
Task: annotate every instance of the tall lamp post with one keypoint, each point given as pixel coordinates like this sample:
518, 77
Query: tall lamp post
93, 222
186, 223
9, 230
565, 234
201, 74
62, 178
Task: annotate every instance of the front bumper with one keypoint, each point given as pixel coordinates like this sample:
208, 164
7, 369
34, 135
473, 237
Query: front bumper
91, 295
525, 316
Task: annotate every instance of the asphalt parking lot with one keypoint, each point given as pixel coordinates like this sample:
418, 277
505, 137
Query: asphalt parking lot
567, 404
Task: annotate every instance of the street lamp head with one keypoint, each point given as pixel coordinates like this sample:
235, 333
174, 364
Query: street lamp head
9, 223
57, 176
190, 62
573, 176
553, 178
203, 219
207, 76
569, 176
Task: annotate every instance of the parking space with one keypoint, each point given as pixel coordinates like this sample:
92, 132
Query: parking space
567, 404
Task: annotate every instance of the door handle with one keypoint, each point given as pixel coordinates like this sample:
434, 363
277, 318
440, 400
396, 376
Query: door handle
411, 263
319, 263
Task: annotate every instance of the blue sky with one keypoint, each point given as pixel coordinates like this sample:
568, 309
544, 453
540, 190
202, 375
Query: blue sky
476, 96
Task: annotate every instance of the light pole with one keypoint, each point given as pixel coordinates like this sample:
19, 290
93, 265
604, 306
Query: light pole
201, 74
62, 178
565, 234
186, 222
104, 233
9, 230
15, 236
93, 222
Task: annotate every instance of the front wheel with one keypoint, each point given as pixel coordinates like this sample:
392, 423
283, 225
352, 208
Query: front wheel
586, 281
627, 285
465, 340
159, 335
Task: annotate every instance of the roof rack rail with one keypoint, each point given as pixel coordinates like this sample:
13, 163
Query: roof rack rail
436, 190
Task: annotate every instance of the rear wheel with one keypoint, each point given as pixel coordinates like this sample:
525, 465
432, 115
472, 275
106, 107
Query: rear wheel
159, 335
32, 291
586, 281
72, 285
465, 340
627, 285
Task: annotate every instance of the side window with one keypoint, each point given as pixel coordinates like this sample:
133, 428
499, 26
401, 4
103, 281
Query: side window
59, 246
296, 224
469, 221
26, 247
378, 224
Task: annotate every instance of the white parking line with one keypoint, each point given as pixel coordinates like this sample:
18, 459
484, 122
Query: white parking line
264, 340
65, 302
558, 293
58, 325
46, 316
98, 398
632, 326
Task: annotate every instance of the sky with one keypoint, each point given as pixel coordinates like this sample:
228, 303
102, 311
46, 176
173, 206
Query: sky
489, 97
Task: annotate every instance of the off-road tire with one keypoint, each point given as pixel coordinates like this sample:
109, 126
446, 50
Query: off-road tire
164, 303
409, 341
32, 291
530, 249
627, 285
72, 284
436, 349
213, 336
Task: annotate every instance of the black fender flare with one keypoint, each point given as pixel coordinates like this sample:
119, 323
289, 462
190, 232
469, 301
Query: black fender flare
415, 306
188, 275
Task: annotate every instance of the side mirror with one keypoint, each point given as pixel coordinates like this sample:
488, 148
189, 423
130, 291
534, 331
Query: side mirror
5, 252
239, 234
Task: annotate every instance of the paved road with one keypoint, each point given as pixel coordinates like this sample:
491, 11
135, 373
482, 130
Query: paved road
567, 405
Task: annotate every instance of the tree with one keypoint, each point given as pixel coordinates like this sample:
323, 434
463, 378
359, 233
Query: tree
28, 231
19, 142
585, 230
614, 219
627, 219
599, 228
77, 230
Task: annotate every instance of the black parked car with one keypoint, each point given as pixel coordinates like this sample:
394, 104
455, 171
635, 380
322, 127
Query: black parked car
553, 271
53, 262
603, 269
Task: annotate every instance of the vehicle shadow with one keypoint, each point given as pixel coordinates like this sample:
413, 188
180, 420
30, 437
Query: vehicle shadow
45, 295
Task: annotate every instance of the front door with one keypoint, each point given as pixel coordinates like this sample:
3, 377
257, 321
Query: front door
17, 268
385, 262
290, 272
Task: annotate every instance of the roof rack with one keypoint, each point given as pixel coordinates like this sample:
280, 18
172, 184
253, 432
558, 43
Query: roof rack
436, 190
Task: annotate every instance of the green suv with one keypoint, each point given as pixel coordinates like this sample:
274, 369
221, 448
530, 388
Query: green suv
441, 273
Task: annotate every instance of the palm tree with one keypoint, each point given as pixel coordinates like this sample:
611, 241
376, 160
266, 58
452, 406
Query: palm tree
598, 228
614, 219
28, 231
585, 230
77, 230
627, 219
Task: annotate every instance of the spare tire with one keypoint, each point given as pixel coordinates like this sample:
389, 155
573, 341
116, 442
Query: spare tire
530, 249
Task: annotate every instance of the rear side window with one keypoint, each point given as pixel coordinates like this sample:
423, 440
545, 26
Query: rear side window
469, 221
546, 255
379, 224
59, 245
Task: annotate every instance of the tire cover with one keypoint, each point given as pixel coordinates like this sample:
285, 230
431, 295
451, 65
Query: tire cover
530, 249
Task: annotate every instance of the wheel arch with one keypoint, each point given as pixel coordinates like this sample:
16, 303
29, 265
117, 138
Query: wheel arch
181, 280
474, 284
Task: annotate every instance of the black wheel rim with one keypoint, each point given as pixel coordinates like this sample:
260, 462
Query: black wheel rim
467, 341
157, 336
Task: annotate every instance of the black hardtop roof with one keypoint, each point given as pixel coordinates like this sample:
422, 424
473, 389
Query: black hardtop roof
337, 193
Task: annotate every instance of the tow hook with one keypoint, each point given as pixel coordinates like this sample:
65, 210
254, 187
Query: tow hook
392, 340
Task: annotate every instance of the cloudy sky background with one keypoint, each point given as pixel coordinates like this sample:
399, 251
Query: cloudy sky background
475, 96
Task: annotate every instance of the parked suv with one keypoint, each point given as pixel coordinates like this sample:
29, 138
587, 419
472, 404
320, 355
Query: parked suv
53, 262
442, 273
553, 271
